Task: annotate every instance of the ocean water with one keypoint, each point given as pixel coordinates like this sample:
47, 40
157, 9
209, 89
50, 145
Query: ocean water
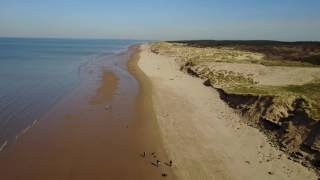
36, 73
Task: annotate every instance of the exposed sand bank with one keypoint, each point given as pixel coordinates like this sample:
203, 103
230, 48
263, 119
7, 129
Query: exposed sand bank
203, 136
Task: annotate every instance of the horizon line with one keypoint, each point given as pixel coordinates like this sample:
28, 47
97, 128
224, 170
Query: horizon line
135, 39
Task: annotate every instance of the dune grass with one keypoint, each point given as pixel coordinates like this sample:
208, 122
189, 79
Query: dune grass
229, 54
309, 92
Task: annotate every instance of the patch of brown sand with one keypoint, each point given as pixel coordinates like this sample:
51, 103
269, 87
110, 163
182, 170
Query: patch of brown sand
107, 88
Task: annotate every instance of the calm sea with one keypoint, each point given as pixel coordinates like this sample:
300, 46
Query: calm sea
36, 73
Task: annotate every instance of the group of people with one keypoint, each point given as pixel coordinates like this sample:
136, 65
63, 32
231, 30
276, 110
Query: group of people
158, 162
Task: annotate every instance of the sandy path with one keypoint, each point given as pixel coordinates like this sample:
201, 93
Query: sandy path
203, 136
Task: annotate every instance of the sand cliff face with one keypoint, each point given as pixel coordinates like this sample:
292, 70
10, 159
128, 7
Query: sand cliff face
286, 123
282, 100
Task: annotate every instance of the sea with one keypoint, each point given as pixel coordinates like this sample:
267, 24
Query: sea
35, 73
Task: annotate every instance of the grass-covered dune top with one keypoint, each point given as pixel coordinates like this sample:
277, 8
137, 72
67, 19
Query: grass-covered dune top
305, 52
309, 92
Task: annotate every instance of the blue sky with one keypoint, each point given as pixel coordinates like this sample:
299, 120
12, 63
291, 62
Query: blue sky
162, 19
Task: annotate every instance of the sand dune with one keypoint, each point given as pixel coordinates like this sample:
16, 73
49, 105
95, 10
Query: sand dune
203, 136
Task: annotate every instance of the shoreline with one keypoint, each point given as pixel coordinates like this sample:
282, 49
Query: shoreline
205, 137
82, 139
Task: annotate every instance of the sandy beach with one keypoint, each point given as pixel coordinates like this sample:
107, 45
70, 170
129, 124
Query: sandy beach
160, 90
203, 136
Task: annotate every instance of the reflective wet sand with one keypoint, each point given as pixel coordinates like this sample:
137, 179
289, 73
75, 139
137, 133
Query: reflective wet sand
99, 131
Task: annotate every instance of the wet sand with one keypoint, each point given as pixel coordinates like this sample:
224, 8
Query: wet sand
99, 131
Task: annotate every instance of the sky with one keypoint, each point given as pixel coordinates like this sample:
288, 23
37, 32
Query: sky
287, 20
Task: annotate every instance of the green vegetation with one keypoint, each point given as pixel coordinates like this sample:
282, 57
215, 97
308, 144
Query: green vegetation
160, 46
309, 92
252, 61
227, 78
247, 52
300, 52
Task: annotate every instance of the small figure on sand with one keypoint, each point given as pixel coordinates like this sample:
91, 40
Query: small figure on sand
153, 154
144, 154
107, 107
158, 163
164, 175
170, 163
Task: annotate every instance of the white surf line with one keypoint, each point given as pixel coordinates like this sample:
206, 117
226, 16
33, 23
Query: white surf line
24, 131
3, 145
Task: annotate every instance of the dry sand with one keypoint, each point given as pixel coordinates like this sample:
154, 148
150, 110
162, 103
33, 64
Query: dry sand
203, 136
